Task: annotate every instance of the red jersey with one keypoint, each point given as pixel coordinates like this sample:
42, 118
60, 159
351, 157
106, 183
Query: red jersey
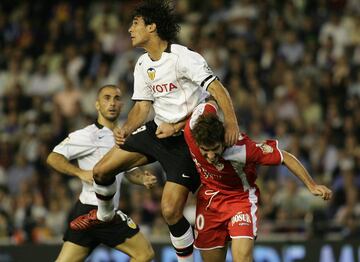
237, 169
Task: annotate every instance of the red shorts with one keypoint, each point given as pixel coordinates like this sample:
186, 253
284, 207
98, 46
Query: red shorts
220, 217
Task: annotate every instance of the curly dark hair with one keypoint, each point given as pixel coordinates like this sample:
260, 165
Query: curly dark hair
208, 130
162, 14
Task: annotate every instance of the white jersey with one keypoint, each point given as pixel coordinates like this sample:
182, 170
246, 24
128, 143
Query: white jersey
176, 83
88, 146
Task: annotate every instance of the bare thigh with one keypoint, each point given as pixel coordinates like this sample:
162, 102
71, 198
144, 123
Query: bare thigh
71, 252
138, 248
118, 160
173, 202
242, 249
214, 255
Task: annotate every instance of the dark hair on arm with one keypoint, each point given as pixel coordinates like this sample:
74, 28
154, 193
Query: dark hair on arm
162, 14
208, 130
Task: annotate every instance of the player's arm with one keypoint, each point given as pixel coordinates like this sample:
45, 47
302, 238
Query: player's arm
136, 118
294, 165
63, 165
137, 176
222, 97
168, 129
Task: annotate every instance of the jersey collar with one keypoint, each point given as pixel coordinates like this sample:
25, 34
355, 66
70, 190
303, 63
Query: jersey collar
98, 125
168, 48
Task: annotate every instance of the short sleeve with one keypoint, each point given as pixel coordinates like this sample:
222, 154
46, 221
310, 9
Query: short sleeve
195, 68
265, 153
78, 144
141, 90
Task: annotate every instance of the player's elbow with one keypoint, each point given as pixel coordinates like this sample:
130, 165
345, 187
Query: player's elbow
50, 159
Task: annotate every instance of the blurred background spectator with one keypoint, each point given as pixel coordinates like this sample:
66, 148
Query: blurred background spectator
291, 67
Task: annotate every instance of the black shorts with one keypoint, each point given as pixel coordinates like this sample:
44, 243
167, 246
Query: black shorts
108, 234
172, 153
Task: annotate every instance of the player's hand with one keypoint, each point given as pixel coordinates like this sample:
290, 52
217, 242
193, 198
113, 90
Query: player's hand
232, 133
120, 135
322, 191
165, 130
86, 175
149, 180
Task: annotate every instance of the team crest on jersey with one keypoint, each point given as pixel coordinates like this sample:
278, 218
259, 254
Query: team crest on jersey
131, 223
266, 149
128, 220
151, 73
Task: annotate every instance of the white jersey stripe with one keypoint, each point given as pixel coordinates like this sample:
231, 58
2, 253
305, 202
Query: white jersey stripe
253, 199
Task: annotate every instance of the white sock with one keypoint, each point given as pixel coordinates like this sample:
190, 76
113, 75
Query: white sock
184, 242
105, 196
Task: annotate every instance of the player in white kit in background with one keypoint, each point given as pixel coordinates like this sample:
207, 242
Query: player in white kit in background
173, 80
87, 146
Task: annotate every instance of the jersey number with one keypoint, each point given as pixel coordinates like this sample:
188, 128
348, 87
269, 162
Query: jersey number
200, 222
140, 129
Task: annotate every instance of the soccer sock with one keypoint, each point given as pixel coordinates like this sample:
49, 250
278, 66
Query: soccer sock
182, 239
105, 195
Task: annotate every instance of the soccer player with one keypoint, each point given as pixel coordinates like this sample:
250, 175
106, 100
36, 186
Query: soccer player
227, 201
172, 80
87, 146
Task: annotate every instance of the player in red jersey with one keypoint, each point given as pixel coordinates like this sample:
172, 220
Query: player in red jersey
227, 201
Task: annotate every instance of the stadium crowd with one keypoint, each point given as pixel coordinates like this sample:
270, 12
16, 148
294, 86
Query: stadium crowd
292, 69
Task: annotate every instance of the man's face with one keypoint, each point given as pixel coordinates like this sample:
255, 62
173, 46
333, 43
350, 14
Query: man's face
212, 153
109, 103
138, 32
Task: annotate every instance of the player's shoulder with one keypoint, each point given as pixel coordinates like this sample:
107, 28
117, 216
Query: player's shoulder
201, 109
183, 52
237, 152
178, 49
206, 107
141, 60
84, 133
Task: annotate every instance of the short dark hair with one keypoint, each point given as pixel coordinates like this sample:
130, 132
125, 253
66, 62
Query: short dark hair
208, 130
162, 14
106, 86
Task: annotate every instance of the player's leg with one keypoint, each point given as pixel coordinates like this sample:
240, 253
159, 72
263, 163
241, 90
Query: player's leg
214, 255
138, 248
71, 252
126, 237
77, 244
242, 249
243, 224
115, 161
172, 205
211, 234
182, 177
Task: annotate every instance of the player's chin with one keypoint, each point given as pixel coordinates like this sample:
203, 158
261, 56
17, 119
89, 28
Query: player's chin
112, 117
133, 42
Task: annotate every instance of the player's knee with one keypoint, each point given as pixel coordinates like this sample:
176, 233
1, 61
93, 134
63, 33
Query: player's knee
171, 212
146, 255
99, 175
243, 255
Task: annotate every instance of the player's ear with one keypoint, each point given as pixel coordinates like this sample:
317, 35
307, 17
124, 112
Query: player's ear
152, 27
97, 105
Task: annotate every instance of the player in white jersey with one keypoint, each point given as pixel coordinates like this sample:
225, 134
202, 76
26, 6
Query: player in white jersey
87, 146
173, 80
